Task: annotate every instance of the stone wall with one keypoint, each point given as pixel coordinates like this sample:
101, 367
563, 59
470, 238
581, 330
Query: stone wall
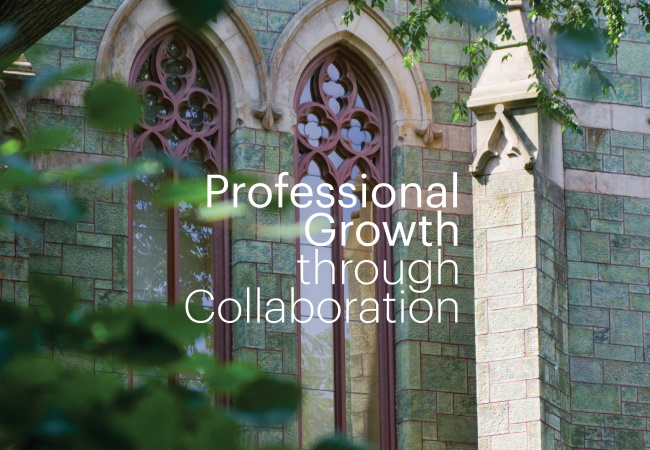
608, 249
591, 364
435, 362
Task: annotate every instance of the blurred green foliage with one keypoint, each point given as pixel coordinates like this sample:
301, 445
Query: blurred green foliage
44, 405
583, 28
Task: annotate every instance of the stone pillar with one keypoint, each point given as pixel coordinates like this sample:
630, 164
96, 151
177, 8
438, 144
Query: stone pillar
520, 258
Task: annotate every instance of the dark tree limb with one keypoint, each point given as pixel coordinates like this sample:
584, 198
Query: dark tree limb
32, 20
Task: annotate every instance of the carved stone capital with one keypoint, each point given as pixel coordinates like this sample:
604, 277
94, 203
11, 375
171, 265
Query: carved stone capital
515, 146
428, 132
11, 124
18, 72
267, 114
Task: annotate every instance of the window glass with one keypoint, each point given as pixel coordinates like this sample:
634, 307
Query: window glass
339, 138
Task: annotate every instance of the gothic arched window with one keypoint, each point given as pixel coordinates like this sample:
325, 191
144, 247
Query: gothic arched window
346, 367
185, 118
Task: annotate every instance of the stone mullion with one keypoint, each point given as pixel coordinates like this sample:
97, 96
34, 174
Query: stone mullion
262, 259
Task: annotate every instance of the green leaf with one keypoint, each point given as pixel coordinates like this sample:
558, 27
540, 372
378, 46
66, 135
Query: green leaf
112, 106
338, 443
266, 401
231, 378
196, 13
50, 138
11, 147
436, 91
221, 211
188, 191
58, 296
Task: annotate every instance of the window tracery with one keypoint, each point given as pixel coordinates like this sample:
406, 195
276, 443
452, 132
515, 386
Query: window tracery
184, 114
346, 367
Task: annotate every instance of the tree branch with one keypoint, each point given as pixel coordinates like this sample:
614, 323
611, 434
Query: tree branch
32, 20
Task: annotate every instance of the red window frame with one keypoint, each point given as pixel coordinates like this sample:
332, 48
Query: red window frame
377, 166
216, 150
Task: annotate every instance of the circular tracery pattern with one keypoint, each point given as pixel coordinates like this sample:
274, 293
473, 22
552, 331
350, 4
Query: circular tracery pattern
183, 103
339, 124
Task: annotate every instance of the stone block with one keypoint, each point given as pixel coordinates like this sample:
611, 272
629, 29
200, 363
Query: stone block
108, 300
615, 352
639, 206
598, 140
88, 262
13, 269
416, 405
613, 164
581, 341
636, 162
61, 36
461, 429
270, 361
573, 141
510, 183
111, 218
493, 419
498, 346
583, 161
624, 439
586, 369
583, 200
582, 270
640, 302
577, 219
252, 251
94, 240
516, 441
248, 157
595, 247
279, 5
59, 232
598, 398
525, 410
579, 292
637, 225
45, 264
512, 319
628, 91
627, 373
610, 207
284, 258
624, 274
514, 370
498, 284
508, 391
90, 17
609, 295
407, 356
607, 226
512, 255
444, 374
626, 327
625, 257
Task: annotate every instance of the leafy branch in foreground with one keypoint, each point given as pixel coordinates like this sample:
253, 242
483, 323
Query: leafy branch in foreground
575, 23
64, 362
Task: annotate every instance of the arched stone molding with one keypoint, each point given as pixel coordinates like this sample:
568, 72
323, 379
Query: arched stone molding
229, 37
318, 27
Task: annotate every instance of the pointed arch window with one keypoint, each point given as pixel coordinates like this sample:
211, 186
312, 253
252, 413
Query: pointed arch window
184, 118
347, 369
